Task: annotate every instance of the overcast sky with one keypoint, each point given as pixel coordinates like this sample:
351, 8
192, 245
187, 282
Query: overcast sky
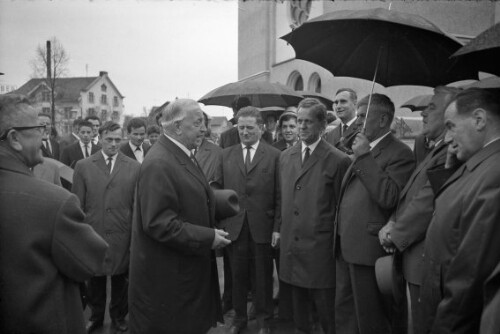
153, 51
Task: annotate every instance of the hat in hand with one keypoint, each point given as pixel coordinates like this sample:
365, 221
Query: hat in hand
226, 203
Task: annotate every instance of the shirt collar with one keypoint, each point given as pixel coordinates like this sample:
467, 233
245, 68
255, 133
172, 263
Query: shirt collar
181, 146
350, 122
491, 141
254, 146
133, 147
378, 140
312, 146
107, 156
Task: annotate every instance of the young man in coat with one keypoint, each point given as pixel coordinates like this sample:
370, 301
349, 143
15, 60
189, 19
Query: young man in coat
105, 184
45, 249
136, 148
370, 191
81, 149
406, 228
173, 285
251, 170
311, 175
462, 246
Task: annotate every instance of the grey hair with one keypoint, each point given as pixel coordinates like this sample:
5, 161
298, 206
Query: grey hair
174, 112
9, 115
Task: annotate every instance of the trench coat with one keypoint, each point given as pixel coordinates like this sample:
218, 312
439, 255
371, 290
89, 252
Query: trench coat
45, 250
173, 282
107, 201
462, 245
309, 195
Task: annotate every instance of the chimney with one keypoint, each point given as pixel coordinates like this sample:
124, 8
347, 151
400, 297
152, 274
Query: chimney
49, 61
103, 73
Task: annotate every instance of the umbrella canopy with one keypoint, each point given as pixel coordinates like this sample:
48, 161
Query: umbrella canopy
261, 94
322, 98
405, 48
490, 82
418, 103
483, 52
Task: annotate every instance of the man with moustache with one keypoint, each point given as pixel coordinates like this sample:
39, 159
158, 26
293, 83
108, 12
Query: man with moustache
344, 106
462, 245
405, 231
370, 191
173, 285
311, 176
105, 184
288, 125
45, 249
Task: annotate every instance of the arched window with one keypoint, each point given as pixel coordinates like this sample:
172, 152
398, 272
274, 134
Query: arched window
298, 12
314, 84
295, 81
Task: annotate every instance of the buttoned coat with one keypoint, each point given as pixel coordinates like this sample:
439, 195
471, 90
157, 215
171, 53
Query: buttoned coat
462, 245
309, 195
370, 193
127, 150
414, 213
73, 153
209, 157
107, 200
258, 191
45, 250
173, 285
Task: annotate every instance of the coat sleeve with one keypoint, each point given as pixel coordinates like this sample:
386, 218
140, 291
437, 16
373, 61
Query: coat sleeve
78, 251
78, 187
475, 260
277, 194
385, 183
161, 205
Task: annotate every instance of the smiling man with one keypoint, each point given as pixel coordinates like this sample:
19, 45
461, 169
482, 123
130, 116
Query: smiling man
105, 185
344, 106
463, 240
311, 175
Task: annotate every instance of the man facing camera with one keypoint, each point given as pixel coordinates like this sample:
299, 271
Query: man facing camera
45, 249
105, 184
173, 285
136, 148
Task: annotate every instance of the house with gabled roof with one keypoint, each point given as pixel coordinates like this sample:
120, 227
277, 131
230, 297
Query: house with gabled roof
76, 97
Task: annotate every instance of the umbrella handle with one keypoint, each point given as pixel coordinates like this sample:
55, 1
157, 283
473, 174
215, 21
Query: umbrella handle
371, 93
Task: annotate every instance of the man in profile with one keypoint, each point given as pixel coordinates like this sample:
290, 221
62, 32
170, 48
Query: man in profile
45, 249
173, 285
50, 147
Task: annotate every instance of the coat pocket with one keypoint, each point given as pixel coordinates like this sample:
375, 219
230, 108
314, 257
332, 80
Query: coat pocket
373, 228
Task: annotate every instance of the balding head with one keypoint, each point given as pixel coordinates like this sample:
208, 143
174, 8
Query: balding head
183, 120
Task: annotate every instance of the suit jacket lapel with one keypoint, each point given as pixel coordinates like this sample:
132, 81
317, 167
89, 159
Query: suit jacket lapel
313, 158
259, 154
238, 155
99, 161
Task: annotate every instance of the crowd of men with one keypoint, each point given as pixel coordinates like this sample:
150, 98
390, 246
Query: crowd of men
323, 207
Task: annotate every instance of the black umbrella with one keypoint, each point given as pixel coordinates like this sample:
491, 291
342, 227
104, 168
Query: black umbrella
483, 52
322, 98
261, 94
418, 103
401, 48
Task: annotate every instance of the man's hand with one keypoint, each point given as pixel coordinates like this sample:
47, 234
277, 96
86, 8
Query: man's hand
275, 243
360, 145
220, 241
384, 236
451, 158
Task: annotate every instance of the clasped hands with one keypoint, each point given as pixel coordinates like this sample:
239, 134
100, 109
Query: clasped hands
384, 236
220, 240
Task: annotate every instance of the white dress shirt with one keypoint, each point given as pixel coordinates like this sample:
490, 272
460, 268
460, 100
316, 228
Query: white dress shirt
252, 150
113, 160
82, 147
312, 147
139, 153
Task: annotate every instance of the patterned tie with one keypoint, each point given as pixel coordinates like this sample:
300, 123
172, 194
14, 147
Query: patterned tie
306, 155
248, 158
110, 164
87, 150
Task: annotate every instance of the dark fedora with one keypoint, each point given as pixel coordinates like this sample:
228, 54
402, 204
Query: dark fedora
389, 275
226, 203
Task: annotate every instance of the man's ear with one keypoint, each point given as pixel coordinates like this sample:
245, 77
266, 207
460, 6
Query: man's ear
177, 127
384, 121
13, 139
480, 117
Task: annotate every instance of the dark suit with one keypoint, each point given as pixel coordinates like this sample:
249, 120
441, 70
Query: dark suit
231, 137
412, 217
334, 137
107, 200
309, 196
370, 192
127, 150
45, 249
420, 148
251, 229
209, 157
73, 153
280, 145
462, 245
66, 141
55, 154
173, 285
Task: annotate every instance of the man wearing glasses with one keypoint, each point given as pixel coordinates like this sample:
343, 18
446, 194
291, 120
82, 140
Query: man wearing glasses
44, 247
105, 184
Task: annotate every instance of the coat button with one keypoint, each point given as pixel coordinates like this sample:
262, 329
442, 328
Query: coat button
298, 187
296, 213
108, 210
296, 238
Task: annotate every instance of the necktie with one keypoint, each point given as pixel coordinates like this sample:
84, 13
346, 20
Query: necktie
110, 164
248, 158
138, 154
193, 159
306, 155
344, 129
87, 151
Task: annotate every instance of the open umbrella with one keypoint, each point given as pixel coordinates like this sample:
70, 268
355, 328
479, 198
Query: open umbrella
261, 94
418, 103
322, 98
483, 52
401, 48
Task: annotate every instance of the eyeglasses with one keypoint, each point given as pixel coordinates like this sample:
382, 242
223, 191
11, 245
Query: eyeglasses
40, 128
